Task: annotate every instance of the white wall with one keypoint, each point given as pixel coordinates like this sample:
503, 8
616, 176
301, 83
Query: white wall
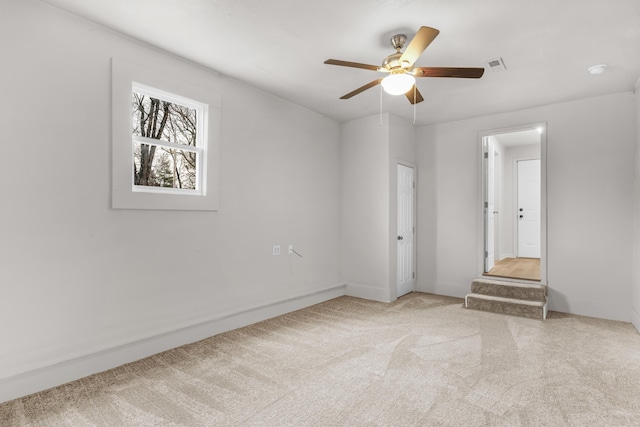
499, 150
448, 200
635, 313
402, 145
371, 149
590, 169
84, 283
364, 207
428, 219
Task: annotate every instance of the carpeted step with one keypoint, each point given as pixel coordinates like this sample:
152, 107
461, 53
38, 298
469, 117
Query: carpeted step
511, 290
510, 306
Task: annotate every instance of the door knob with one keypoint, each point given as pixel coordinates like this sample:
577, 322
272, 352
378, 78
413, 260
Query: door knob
400, 237
520, 209
521, 216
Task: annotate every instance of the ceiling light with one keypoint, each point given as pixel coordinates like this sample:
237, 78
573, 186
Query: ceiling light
398, 84
597, 69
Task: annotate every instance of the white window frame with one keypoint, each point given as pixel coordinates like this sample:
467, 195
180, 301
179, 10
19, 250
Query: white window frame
201, 141
127, 78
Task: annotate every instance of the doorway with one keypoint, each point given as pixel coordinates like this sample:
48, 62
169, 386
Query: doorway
406, 230
514, 203
528, 203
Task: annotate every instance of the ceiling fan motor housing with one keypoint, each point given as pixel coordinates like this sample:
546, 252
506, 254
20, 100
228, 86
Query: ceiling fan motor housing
392, 61
398, 41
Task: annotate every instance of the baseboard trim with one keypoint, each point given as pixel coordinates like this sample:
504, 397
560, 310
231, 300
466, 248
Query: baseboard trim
590, 308
446, 289
635, 319
368, 292
26, 383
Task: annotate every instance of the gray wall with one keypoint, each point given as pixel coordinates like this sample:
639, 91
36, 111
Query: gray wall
590, 172
364, 207
402, 147
371, 148
79, 278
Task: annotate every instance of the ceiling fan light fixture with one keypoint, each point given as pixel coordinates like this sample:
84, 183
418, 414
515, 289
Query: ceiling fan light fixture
398, 84
400, 66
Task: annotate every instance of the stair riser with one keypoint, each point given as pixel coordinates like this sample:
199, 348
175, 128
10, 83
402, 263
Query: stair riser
505, 308
505, 291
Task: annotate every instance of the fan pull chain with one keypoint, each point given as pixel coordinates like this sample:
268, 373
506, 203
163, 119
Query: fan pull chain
380, 105
414, 103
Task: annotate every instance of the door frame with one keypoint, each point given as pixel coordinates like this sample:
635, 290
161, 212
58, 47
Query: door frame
489, 158
542, 128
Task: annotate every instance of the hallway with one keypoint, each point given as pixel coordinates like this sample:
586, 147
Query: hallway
516, 268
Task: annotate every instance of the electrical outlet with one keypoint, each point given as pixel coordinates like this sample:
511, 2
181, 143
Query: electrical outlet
276, 250
290, 248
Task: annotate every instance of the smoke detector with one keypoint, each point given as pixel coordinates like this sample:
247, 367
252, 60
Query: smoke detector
597, 69
496, 65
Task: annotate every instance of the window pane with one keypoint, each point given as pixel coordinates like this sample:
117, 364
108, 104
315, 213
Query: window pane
158, 119
155, 166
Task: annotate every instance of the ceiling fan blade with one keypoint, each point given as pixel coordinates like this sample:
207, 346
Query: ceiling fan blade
361, 89
351, 64
418, 44
466, 73
418, 96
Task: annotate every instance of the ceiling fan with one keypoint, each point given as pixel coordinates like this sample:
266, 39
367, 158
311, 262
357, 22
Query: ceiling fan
402, 73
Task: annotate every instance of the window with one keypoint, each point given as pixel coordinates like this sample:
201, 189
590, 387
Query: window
165, 141
167, 136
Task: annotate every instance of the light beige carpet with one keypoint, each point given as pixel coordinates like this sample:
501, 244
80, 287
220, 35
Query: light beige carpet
423, 360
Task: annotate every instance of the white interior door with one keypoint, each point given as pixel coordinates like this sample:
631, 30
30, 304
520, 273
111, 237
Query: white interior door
406, 230
528, 208
489, 205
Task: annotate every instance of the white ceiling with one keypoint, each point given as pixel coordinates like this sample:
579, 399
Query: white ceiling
279, 46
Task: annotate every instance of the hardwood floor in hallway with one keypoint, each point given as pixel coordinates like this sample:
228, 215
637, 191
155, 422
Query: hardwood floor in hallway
516, 268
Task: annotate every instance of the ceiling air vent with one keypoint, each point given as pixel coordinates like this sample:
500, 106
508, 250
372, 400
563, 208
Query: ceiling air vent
496, 65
